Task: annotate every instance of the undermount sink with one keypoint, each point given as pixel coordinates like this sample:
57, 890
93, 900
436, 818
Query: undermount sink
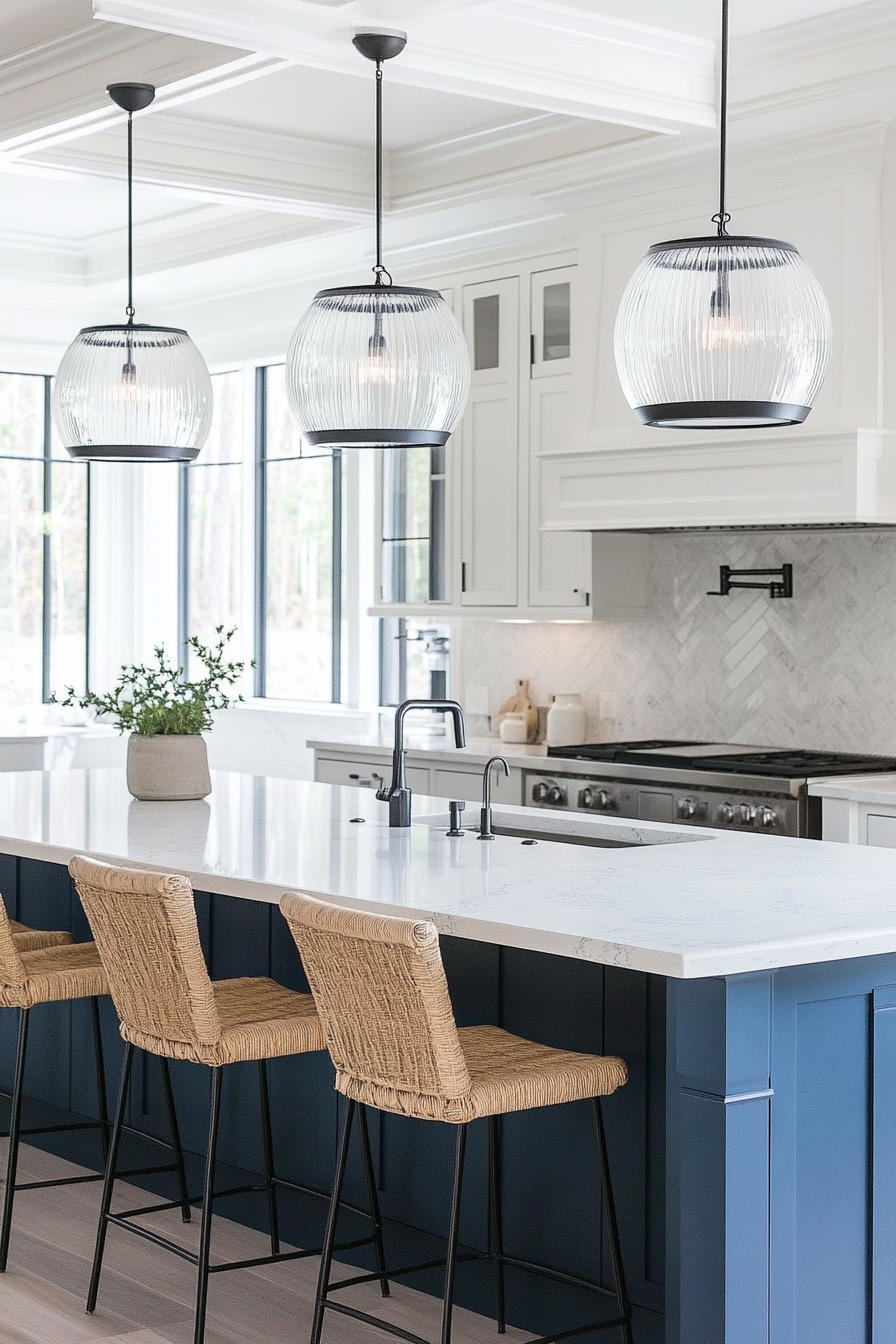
570, 830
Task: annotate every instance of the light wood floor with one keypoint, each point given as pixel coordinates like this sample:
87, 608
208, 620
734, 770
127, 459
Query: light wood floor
146, 1294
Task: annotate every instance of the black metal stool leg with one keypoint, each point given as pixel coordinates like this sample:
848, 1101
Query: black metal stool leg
496, 1226
453, 1233
177, 1149
15, 1126
109, 1178
326, 1254
268, 1144
373, 1201
205, 1233
625, 1308
102, 1101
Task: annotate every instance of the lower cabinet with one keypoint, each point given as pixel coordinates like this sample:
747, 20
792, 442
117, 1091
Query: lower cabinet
854, 822
463, 782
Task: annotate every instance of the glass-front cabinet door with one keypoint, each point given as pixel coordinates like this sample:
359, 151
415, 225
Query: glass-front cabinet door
490, 446
559, 562
550, 351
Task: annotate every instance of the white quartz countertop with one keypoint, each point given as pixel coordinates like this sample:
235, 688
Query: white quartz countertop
693, 903
857, 788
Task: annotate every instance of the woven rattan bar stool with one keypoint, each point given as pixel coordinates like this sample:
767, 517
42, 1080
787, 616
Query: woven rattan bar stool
47, 966
43, 966
381, 993
146, 932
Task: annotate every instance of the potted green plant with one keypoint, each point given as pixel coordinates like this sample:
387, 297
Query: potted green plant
166, 715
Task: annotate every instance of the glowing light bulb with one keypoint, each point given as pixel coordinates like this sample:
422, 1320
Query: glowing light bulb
130, 392
377, 370
722, 330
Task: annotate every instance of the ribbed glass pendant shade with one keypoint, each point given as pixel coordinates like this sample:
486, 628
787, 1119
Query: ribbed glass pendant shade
722, 333
133, 393
377, 366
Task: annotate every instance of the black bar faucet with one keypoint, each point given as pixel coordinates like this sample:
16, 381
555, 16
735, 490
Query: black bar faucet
485, 815
398, 795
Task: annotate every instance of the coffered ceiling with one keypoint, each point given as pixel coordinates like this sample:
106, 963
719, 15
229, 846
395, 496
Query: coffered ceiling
254, 165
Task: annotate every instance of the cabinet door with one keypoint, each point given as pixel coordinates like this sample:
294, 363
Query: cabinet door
490, 449
551, 322
559, 562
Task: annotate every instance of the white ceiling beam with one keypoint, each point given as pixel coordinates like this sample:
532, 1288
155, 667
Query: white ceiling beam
216, 80
530, 53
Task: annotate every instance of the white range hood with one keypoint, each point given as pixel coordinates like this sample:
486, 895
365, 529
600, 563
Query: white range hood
760, 479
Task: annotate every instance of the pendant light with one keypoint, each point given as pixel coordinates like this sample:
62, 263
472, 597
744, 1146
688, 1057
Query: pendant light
132, 393
723, 332
381, 365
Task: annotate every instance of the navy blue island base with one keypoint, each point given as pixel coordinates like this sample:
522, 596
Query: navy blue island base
753, 1150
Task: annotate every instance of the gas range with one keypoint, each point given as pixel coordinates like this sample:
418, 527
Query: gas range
716, 784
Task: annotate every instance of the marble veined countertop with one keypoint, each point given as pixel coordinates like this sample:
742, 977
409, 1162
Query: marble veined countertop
858, 789
683, 902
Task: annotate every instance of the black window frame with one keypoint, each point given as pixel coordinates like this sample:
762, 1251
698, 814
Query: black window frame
260, 463
46, 459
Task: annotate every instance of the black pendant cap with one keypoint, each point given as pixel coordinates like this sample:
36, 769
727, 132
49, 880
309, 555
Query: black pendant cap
380, 44
131, 97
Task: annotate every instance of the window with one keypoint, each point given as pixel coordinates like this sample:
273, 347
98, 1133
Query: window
211, 520
299, 574
413, 570
297, 545
43, 549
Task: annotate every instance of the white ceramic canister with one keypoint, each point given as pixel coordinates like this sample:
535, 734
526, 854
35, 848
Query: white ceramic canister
513, 728
567, 721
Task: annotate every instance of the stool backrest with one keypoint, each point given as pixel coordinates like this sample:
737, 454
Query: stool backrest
381, 995
12, 972
144, 925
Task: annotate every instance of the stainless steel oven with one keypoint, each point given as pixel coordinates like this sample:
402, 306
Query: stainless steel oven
722, 785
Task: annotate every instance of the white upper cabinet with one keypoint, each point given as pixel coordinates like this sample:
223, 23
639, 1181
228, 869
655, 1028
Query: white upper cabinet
489, 446
559, 562
477, 515
838, 467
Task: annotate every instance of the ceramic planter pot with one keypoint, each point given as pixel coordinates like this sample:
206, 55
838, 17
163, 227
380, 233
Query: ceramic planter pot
168, 768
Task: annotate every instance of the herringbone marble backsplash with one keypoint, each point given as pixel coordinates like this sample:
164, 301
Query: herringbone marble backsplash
816, 671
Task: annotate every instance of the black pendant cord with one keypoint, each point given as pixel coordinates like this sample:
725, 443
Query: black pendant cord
382, 275
722, 218
130, 307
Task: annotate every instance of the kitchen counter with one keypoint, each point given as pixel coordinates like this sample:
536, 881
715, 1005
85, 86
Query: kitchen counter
681, 901
857, 789
748, 981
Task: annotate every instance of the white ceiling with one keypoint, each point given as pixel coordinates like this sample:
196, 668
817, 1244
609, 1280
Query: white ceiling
327, 106
700, 18
255, 158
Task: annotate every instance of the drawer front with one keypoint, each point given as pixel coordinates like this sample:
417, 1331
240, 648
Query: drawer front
882, 831
350, 774
467, 785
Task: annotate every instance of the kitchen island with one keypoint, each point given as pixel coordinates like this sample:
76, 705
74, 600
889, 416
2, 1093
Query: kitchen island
749, 981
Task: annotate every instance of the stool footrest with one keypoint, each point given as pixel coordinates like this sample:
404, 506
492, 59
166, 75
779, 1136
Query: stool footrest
558, 1274
402, 1270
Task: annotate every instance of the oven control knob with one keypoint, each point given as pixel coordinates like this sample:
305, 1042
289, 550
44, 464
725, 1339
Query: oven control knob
540, 792
587, 798
746, 814
557, 795
767, 816
726, 814
687, 808
605, 800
